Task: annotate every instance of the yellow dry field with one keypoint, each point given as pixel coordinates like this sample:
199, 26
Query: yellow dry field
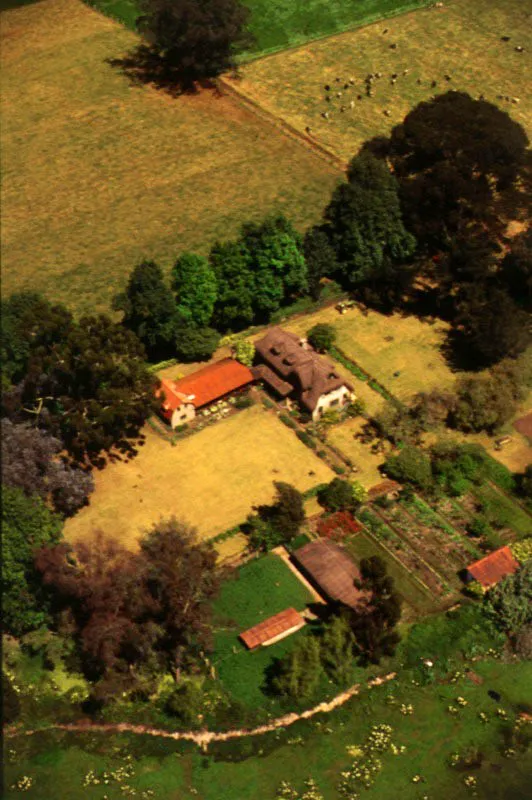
383, 345
210, 479
368, 463
99, 173
232, 548
462, 40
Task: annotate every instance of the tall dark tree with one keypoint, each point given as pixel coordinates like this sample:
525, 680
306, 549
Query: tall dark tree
102, 583
92, 388
29, 323
374, 623
320, 258
149, 308
279, 522
516, 269
31, 462
182, 579
366, 228
490, 325
27, 525
195, 39
453, 157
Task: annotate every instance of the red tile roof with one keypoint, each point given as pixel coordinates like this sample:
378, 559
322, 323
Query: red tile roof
272, 627
490, 569
205, 385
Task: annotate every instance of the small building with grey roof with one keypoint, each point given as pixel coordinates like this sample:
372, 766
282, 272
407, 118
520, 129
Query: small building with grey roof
331, 570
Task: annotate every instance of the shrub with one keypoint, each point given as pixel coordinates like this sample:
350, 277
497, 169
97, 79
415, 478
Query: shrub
286, 420
322, 337
357, 408
185, 702
306, 439
245, 352
338, 469
244, 401
322, 454
522, 551
267, 403
479, 527
412, 466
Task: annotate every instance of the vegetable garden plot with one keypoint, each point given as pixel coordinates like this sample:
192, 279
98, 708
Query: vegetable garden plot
409, 556
502, 509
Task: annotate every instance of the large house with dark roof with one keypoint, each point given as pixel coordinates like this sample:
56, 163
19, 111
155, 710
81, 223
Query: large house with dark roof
289, 366
181, 399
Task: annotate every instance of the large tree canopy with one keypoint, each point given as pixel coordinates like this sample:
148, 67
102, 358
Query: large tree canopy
516, 269
92, 387
135, 614
27, 525
452, 156
366, 228
31, 462
196, 39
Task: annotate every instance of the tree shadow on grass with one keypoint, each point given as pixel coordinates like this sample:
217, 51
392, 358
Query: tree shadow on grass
144, 66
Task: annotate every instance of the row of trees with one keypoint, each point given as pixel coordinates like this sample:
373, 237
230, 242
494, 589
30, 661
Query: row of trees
241, 282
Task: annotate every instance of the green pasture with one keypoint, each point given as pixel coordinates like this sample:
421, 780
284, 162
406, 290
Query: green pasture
278, 24
254, 768
261, 588
503, 509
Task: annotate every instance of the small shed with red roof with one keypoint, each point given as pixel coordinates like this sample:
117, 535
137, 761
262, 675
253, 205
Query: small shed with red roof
181, 399
491, 569
273, 629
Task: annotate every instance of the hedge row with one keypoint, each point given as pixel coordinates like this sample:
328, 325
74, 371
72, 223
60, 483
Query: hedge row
359, 373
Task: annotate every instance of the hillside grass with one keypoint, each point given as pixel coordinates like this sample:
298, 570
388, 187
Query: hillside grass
462, 40
211, 478
99, 173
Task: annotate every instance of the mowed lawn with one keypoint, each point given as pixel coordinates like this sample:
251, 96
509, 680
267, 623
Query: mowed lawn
210, 479
98, 173
462, 40
384, 345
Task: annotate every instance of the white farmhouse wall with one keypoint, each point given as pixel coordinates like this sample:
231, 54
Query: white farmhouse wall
182, 415
335, 399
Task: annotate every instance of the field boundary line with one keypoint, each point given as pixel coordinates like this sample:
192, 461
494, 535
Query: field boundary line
226, 86
203, 738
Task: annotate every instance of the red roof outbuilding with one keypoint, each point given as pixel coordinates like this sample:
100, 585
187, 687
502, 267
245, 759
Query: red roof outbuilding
273, 628
204, 386
491, 569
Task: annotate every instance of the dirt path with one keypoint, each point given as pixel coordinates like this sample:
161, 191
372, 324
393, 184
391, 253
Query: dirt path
202, 738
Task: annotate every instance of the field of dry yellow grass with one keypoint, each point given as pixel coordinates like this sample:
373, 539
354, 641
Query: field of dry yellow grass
211, 479
367, 463
462, 39
98, 174
384, 345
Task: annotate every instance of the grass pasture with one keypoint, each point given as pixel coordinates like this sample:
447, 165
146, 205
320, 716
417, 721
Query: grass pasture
430, 735
211, 478
98, 173
383, 345
343, 437
260, 589
462, 39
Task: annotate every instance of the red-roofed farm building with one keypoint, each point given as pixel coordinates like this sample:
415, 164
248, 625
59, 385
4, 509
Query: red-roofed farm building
273, 629
181, 399
491, 569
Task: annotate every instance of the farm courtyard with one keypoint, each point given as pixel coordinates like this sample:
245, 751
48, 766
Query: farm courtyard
210, 479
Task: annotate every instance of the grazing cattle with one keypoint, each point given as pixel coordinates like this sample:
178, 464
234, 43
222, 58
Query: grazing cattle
394, 75
352, 81
387, 113
338, 94
433, 84
307, 129
328, 98
519, 49
418, 81
342, 109
516, 100
378, 74
505, 38
385, 31
346, 86
327, 87
325, 114
447, 77
351, 104
393, 47
406, 71
359, 97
